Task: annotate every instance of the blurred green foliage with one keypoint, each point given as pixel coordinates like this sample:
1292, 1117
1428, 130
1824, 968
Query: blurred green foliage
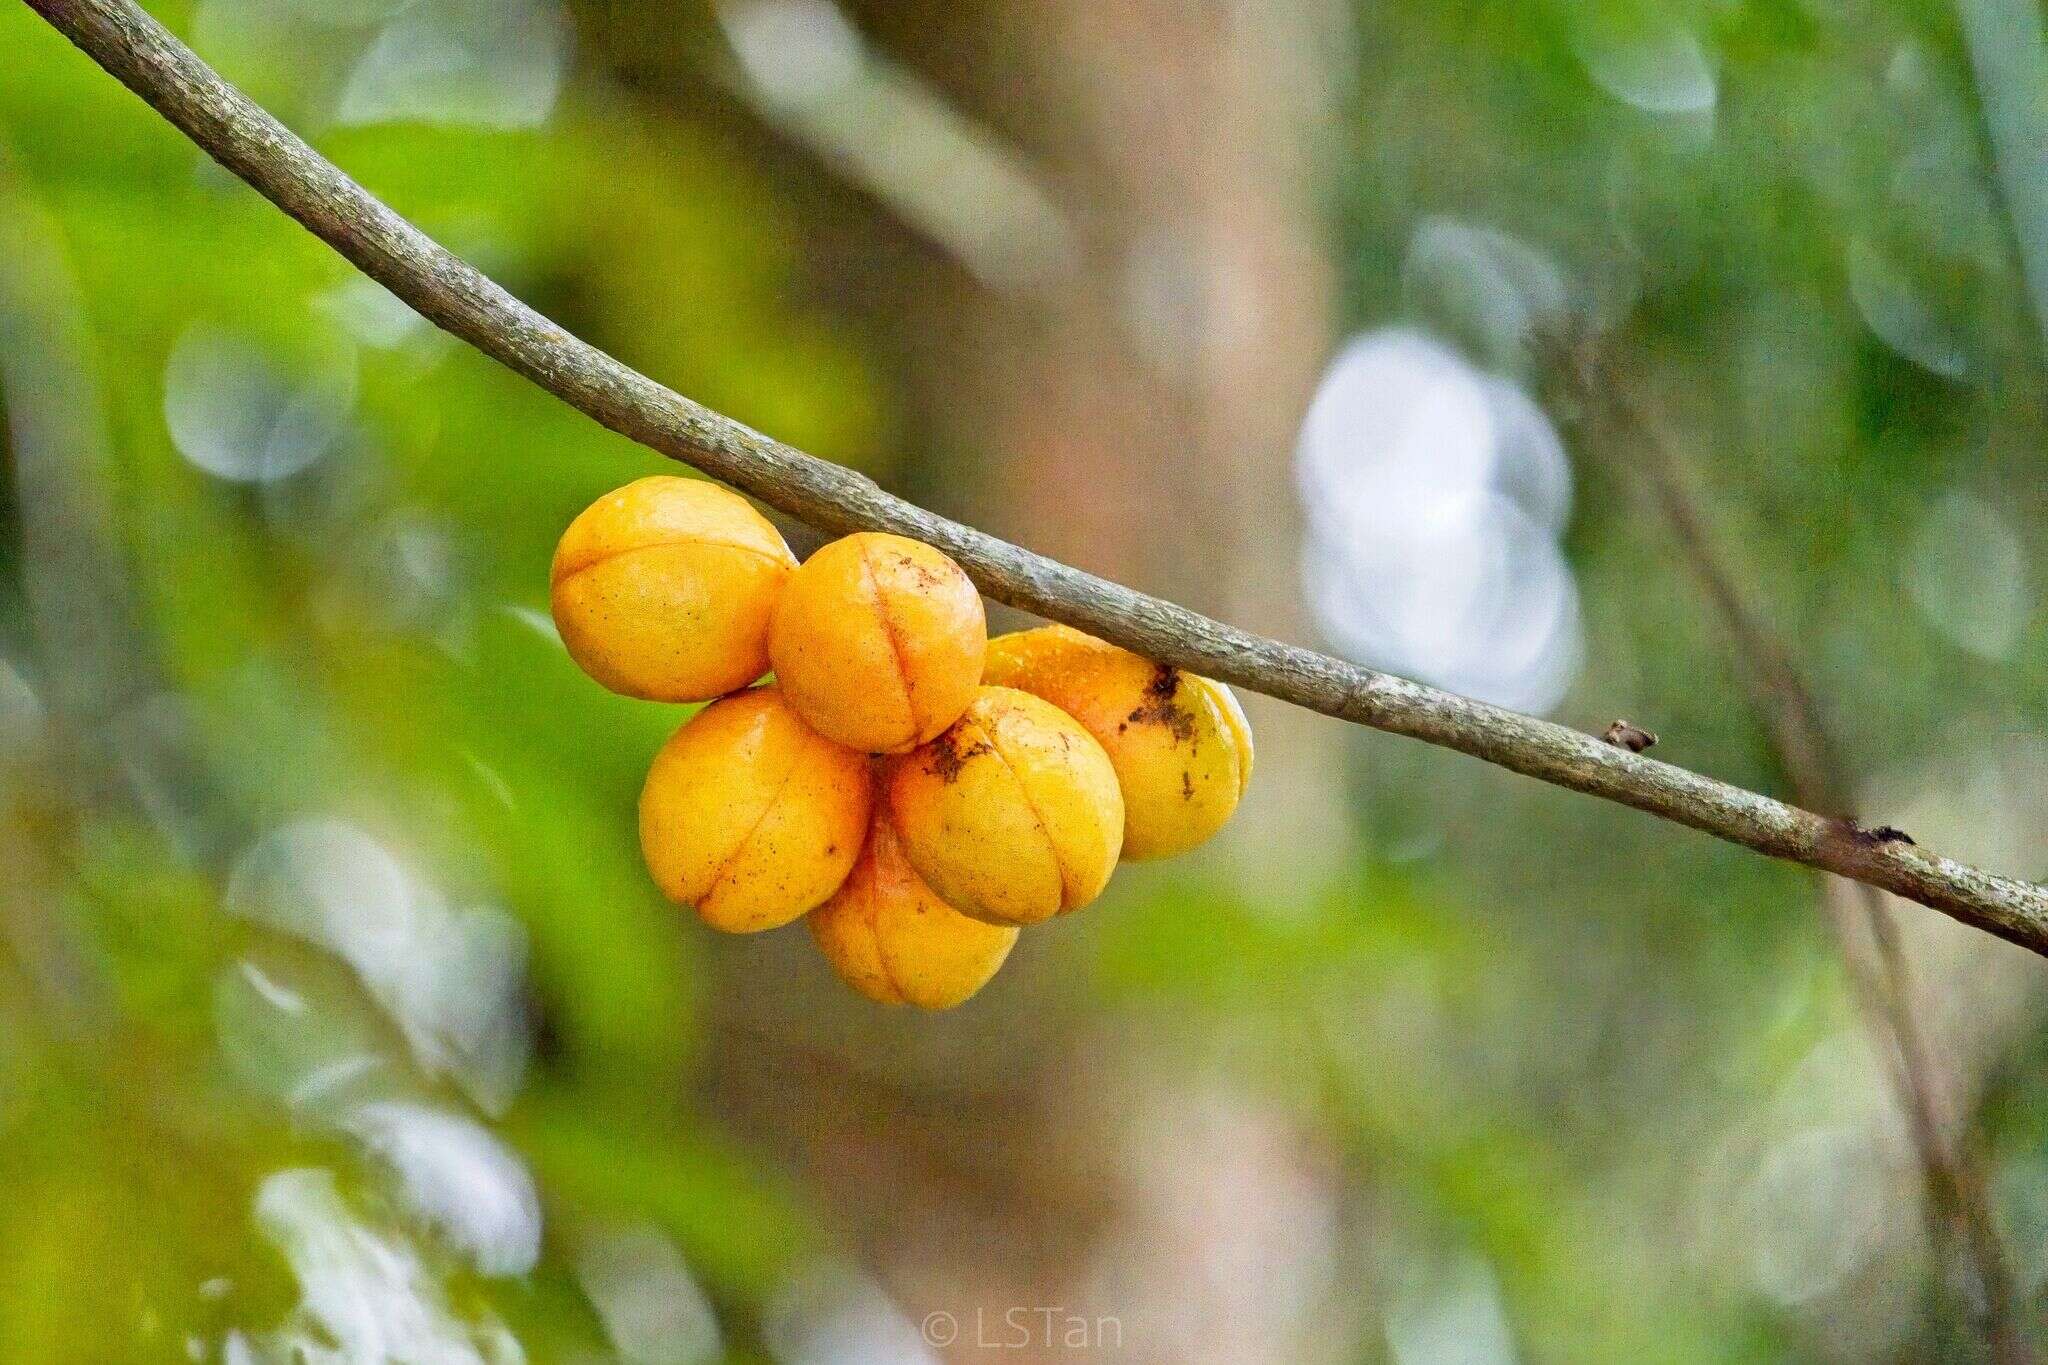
313, 677
1522, 1022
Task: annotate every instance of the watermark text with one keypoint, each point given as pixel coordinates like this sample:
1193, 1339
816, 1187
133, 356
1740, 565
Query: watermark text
1019, 1327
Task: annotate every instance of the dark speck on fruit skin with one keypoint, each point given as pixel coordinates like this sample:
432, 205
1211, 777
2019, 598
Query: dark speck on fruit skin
948, 758
1187, 785
924, 575
1158, 707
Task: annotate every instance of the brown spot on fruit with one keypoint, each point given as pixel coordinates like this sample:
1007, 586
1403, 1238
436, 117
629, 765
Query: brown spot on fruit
1005, 822
949, 756
1176, 721
1158, 708
1178, 741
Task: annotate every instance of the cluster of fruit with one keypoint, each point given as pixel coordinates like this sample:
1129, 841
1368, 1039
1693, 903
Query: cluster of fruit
919, 790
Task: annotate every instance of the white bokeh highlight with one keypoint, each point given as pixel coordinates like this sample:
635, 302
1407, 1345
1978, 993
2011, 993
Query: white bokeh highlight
1434, 495
366, 1293
1647, 61
1966, 570
1482, 285
1457, 1318
459, 1179
237, 413
21, 713
832, 1314
1900, 316
652, 1307
450, 978
481, 63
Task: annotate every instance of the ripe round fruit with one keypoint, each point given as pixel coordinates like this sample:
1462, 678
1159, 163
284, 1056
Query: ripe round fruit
1012, 814
1180, 743
879, 642
663, 589
751, 816
893, 940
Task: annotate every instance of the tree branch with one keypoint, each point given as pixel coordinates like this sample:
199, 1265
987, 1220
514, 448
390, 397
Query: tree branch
245, 139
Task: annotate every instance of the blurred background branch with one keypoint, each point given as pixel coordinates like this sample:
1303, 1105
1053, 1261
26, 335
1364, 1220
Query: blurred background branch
1625, 434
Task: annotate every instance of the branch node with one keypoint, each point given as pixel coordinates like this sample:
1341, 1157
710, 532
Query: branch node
1624, 734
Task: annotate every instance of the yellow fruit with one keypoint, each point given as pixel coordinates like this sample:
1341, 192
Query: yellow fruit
663, 589
751, 816
878, 642
893, 940
1013, 814
1180, 743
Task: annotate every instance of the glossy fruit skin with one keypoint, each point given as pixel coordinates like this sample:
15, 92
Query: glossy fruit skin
750, 816
1013, 814
664, 589
891, 938
878, 641
1180, 743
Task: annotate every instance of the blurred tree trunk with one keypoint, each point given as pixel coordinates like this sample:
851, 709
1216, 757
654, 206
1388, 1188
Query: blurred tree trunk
1136, 415
1133, 412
